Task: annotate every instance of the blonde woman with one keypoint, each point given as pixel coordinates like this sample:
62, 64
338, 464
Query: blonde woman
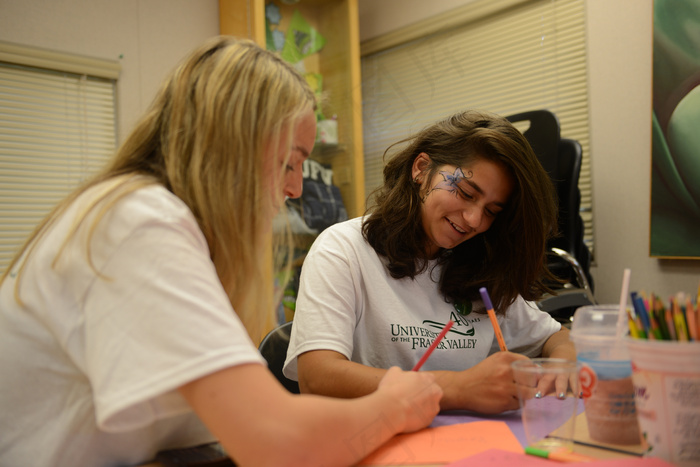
125, 318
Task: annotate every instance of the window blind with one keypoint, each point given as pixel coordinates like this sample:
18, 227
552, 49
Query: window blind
504, 56
56, 129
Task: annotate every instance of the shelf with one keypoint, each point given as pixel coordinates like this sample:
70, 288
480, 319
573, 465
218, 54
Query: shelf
338, 63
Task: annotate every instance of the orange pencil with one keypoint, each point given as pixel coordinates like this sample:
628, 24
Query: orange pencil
492, 315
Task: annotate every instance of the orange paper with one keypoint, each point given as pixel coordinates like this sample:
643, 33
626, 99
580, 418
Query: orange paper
444, 444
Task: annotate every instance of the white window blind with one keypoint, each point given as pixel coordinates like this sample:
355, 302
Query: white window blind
56, 129
503, 56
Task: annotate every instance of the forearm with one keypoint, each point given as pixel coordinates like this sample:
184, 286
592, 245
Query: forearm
346, 379
487, 387
559, 346
250, 412
296, 427
328, 373
357, 429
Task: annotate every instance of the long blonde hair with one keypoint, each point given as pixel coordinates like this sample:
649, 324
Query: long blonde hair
204, 138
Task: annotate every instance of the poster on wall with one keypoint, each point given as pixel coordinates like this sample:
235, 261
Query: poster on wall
675, 174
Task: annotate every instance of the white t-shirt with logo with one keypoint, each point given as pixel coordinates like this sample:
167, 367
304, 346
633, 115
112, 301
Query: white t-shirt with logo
91, 365
349, 303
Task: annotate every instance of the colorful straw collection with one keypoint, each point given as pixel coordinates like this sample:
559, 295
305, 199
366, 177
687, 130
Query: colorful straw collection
652, 319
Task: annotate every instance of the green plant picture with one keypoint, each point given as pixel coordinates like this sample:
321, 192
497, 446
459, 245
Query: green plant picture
675, 180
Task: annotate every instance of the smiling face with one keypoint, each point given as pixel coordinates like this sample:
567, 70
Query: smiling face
460, 202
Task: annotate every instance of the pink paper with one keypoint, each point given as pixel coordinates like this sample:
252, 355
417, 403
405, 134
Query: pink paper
501, 458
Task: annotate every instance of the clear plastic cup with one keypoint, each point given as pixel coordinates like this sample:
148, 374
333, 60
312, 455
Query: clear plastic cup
605, 375
548, 396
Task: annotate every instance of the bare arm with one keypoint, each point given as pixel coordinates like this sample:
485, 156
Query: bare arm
559, 346
259, 423
487, 387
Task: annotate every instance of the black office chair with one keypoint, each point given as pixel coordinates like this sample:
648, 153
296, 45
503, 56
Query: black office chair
274, 348
568, 256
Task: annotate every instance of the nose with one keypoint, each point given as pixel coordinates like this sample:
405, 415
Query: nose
474, 215
293, 184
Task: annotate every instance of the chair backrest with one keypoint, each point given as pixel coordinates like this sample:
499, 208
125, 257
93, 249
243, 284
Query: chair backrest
543, 134
570, 221
273, 348
561, 159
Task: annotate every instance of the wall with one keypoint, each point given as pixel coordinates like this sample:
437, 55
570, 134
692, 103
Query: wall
378, 17
152, 35
148, 37
620, 61
620, 54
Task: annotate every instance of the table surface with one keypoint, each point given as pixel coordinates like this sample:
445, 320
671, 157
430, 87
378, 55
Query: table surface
583, 444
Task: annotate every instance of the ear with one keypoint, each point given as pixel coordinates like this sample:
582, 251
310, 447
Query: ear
420, 165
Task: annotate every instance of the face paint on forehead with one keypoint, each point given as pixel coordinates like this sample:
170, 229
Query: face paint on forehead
450, 181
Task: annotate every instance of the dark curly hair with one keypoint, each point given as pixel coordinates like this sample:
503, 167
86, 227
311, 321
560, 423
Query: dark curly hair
509, 258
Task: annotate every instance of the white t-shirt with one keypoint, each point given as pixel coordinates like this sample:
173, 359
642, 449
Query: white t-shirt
349, 303
91, 365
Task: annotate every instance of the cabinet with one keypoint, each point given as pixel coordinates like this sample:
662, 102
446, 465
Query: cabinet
338, 62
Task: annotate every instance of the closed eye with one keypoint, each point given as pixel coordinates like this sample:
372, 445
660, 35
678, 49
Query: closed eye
464, 194
492, 213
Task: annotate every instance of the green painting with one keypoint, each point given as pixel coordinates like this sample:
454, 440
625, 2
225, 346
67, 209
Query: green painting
675, 179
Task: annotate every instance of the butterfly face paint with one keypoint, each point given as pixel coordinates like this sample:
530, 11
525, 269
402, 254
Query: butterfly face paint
450, 181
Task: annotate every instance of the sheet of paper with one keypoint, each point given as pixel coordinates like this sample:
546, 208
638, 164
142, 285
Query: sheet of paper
501, 458
444, 444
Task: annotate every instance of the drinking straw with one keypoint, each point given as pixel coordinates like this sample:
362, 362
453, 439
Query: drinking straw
492, 315
433, 345
622, 316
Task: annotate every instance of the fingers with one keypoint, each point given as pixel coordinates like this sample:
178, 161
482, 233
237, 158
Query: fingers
560, 384
545, 386
420, 394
